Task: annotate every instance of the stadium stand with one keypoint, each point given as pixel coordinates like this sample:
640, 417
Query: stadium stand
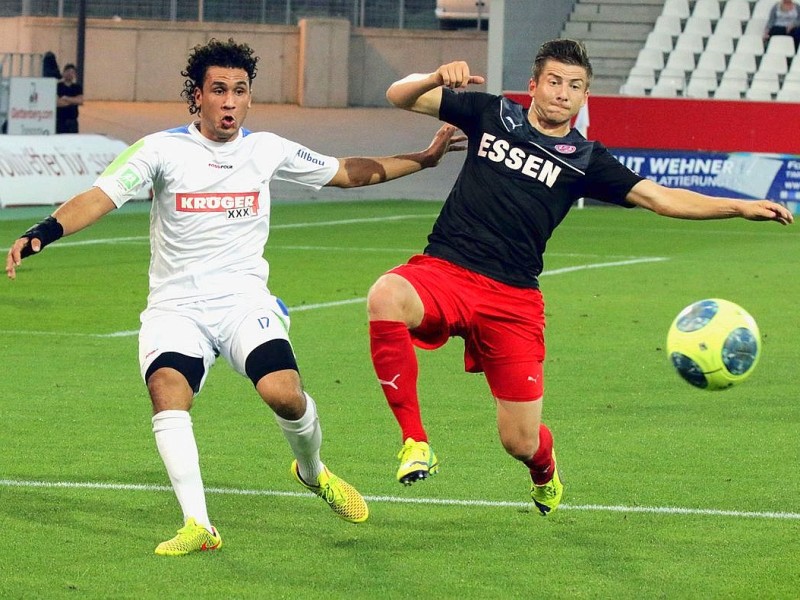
718, 46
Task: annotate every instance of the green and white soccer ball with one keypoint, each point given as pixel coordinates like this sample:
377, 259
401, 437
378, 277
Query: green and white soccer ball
714, 344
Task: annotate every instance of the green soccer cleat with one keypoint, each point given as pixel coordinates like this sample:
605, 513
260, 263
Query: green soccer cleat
417, 461
342, 497
547, 496
191, 538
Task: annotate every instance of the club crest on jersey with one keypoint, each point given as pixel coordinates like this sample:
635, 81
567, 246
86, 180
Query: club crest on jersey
235, 205
565, 148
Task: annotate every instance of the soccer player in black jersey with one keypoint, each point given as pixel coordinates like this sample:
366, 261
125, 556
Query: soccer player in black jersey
477, 277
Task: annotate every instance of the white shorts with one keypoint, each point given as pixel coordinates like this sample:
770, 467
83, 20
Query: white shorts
231, 326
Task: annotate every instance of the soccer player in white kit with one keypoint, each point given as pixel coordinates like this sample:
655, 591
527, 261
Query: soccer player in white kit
208, 278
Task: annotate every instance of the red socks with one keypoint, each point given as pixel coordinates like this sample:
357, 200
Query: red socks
395, 364
541, 464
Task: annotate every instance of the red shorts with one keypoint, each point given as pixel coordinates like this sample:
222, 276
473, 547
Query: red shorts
502, 325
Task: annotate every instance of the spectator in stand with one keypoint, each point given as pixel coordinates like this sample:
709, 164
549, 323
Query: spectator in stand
70, 97
783, 19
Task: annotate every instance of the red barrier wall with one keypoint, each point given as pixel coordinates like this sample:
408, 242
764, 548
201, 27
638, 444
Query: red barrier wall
691, 124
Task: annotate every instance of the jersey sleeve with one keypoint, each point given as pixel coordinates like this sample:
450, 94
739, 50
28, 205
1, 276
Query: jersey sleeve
462, 109
607, 179
130, 172
305, 166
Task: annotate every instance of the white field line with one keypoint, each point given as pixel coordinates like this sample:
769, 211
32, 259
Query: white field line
663, 510
304, 307
144, 238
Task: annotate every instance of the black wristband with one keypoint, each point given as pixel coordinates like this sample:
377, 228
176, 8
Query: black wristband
47, 232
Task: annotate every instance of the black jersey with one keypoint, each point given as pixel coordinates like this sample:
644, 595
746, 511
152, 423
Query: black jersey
515, 187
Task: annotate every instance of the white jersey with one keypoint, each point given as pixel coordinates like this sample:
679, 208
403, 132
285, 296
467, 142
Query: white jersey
209, 221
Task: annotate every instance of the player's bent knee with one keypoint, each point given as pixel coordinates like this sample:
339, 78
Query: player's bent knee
191, 367
269, 357
390, 298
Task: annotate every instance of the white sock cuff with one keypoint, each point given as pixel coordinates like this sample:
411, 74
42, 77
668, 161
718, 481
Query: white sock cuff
171, 419
304, 422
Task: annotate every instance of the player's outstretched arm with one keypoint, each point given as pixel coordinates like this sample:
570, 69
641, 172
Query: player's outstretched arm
359, 171
686, 204
422, 92
75, 214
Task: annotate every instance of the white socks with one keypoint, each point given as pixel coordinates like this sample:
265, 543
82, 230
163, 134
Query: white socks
305, 439
178, 450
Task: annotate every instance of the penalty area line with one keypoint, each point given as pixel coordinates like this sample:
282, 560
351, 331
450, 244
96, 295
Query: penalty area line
658, 510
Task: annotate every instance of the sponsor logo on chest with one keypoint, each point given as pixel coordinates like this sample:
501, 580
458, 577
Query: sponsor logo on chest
518, 159
235, 205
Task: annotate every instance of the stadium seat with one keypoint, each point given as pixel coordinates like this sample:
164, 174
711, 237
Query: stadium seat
789, 92
690, 41
735, 78
728, 26
742, 62
736, 9
762, 7
670, 24
728, 91
755, 26
678, 8
659, 40
773, 63
720, 42
633, 88
701, 84
650, 57
750, 44
665, 89
757, 93
707, 8
766, 81
712, 60
701, 25
782, 45
674, 79
681, 60
643, 76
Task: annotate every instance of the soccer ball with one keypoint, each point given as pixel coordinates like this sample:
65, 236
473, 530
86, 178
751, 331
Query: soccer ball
714, 344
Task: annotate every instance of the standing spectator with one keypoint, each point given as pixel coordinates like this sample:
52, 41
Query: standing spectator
70, 97
783, 19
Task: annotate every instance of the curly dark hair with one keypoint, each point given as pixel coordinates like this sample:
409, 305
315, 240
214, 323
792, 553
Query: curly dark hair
215, 54
565, 51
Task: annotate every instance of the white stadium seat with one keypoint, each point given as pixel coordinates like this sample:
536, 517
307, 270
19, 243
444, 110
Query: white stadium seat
712, 60
736, 9
690, 41
707, 8
728, 26
750, 44
720, 43
650, 57
701, 25
701, 83
678, 8
773, 63
783, 45
670, 24
681, 59
659, 40
742, 62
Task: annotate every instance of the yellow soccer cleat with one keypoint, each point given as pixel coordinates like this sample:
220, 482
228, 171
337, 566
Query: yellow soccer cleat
417, 461
191, 538
547, 496
342, 497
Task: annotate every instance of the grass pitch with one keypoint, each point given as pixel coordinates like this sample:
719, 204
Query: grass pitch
671, 492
